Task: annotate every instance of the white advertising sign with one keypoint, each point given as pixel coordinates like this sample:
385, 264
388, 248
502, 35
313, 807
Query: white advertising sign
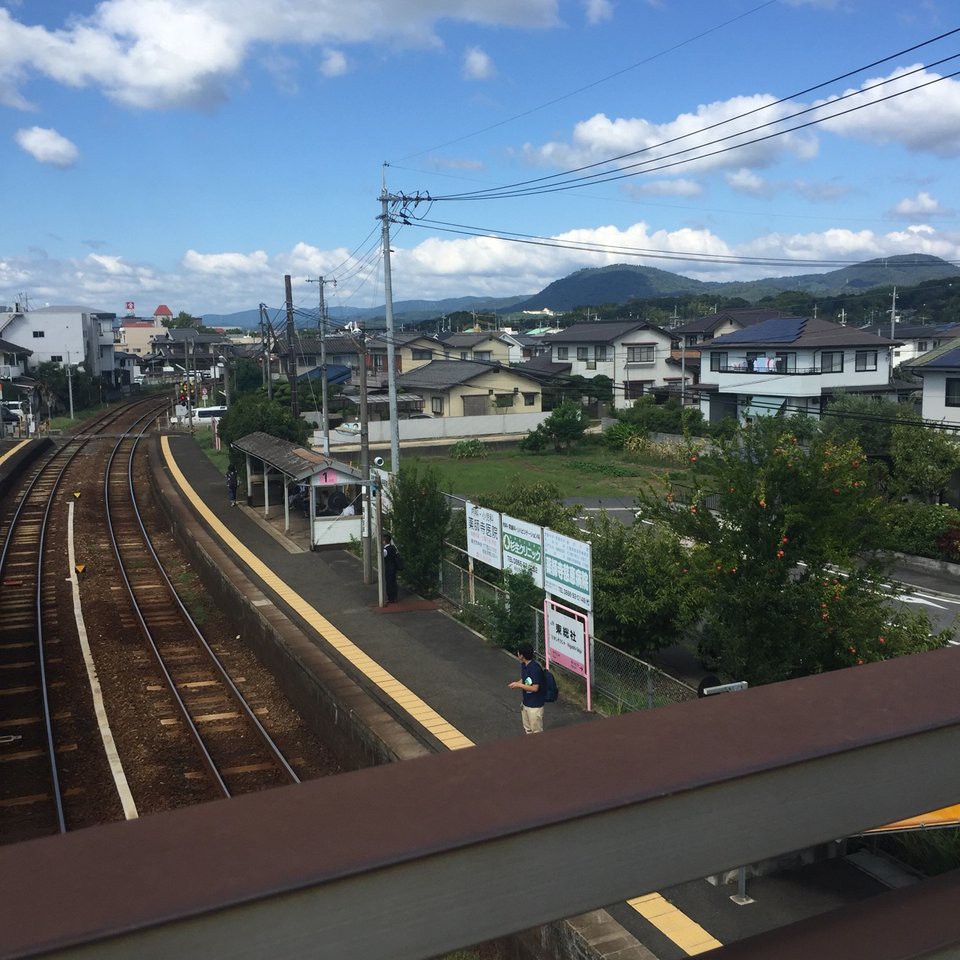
567, 569
566, 638
483, 535
522, 547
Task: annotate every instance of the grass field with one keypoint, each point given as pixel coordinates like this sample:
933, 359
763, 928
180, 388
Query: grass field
591, 471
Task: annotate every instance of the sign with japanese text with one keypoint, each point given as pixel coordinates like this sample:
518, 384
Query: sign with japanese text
522, 547
483, 535
567, 569
566, 639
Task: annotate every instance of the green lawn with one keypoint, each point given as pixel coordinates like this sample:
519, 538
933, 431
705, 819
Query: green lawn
590, 471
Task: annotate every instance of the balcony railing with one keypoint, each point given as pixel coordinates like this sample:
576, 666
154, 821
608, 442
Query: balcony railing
744, 366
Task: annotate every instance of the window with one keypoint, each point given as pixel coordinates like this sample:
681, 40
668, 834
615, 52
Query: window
503, 400
563, 353
634, 389
464, 354
831, 361
718, 360
583, 353
422, 354
865, 360
599, 353
786, 362
644, 353
484, 355
436, 406
37, 334
921, 347
529, 399
56, 358
952, 393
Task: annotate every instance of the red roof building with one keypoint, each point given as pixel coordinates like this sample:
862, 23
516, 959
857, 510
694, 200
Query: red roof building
163, 311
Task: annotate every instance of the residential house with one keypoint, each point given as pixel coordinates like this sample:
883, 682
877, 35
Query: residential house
690, 336
917, 339
940, 371
792, 365
134, 335
635, 355
63, 334
454, 388
491, 347
13, 360
186, 349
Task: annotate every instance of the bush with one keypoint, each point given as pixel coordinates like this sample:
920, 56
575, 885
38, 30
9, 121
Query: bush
534, 442
468, 450
618, 434
926, 530
511, 615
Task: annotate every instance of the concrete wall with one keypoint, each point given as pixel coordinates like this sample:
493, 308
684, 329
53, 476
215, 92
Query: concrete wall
492, 425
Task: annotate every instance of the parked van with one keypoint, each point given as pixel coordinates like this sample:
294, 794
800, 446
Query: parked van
18, 407
199, 415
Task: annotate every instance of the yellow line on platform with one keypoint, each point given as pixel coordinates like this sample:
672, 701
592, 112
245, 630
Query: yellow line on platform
687, 934
422, 712
12, 451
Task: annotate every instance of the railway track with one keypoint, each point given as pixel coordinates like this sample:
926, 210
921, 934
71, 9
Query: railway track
237, 753
184, 728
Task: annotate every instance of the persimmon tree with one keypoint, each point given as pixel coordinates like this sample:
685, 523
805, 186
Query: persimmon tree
772, 516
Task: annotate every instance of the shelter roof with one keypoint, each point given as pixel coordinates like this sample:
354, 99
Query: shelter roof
7, 347
296, 461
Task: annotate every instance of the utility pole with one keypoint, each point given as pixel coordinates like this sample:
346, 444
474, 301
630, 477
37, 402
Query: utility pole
291, 354
391, 347
322, 323
70, 384
265, 353
364, 458
893, 314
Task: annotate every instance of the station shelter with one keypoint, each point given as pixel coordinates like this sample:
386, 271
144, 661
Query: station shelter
326, 492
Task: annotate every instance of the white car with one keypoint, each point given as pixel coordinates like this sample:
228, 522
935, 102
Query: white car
350, 426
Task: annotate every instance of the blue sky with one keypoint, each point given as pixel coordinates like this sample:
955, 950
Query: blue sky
192, 152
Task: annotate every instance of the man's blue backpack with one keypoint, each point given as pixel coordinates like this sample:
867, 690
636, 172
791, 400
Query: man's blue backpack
550, 689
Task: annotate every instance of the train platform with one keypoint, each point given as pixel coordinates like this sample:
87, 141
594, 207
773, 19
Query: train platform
445, 664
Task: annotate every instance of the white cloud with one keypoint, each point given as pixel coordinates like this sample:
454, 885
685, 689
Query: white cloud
47, 146
226, 264
665, 145
598, 10
333, 63
477, 65
156, 54
925, 120
922, 205
748, 182
666, 188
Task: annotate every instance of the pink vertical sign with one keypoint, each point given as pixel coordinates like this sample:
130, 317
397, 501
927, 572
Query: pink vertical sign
566, 640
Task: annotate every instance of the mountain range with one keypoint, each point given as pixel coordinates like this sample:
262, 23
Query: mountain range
620, 283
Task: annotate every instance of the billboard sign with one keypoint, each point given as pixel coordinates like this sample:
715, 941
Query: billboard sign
522, 547
483, 535
567, 569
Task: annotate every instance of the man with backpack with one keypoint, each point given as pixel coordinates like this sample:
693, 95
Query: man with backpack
532, 683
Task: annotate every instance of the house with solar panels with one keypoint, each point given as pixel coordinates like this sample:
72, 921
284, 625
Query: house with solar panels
940, 371
788, 365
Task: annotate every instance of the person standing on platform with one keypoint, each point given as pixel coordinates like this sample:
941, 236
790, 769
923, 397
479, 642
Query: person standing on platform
391, 564
532, 684
232, 484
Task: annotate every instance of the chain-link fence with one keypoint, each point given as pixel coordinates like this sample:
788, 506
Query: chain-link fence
621, 682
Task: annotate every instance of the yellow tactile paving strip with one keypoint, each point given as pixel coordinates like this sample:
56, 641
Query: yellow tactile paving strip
13, 450
422, 712
684, 932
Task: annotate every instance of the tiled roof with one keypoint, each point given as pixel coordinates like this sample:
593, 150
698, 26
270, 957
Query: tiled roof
443, 374
603, 331
944, 357
709, 323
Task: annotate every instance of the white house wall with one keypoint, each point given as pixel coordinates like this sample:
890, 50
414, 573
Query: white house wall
934, 397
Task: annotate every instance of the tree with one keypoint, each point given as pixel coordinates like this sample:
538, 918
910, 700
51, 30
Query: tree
769, 520
644, 594
867, 420
248, 375
538, 502
419, 517
923, 459
566, 425
252, 413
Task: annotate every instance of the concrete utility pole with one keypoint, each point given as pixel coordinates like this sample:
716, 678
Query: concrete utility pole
364, 457
322, 324
70, 384
291, 353
265, 352
391, 347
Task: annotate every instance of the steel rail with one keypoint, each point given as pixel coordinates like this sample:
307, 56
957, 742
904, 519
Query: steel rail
45, 473
221, 671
